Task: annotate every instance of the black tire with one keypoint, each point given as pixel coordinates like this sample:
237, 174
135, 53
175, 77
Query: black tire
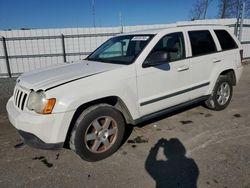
86, 126
213, 102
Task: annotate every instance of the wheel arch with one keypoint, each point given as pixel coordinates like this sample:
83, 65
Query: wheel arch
231, 74
114, 101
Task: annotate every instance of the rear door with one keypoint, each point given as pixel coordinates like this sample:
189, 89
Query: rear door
203, 58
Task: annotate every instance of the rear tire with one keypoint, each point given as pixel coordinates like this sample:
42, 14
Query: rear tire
221, 95
97, 133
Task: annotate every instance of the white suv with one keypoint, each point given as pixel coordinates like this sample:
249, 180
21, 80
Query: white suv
128, 79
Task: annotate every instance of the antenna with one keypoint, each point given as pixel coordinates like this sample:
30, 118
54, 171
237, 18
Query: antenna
93, 12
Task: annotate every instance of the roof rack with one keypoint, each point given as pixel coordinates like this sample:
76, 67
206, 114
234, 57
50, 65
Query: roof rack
183, 24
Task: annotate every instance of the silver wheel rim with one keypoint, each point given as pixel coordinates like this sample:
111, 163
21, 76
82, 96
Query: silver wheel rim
223, 93
101, 134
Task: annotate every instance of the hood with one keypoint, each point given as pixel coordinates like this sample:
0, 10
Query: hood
51, 77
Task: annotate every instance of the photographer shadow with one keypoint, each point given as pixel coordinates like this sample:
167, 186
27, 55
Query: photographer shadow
177, 170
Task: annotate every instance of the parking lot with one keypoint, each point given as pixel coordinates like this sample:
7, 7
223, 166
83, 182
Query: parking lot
194, 147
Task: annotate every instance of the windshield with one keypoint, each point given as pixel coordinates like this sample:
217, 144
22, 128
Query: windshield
121, 49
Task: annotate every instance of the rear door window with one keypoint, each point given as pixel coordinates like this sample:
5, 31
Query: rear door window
202, 42
225, 39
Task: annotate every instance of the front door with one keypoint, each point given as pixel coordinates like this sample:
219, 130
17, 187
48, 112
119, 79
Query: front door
164, 85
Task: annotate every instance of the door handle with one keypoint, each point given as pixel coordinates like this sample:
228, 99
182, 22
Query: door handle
182, 68
216, 60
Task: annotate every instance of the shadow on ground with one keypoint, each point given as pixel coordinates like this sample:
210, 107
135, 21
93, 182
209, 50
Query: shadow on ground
177, 170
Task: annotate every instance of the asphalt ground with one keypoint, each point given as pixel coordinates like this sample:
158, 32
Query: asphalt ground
195, 147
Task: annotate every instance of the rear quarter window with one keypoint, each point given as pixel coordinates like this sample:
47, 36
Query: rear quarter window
202, 42
225, 39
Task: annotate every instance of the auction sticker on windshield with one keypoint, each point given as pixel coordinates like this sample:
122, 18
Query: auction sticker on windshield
140, 38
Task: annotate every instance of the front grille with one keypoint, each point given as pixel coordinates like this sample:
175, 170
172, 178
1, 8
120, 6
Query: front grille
20, 97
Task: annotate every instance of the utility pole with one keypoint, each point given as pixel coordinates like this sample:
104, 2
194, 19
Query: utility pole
120, 20
240, 19
242, 12
236, 31
93, 12
205, 9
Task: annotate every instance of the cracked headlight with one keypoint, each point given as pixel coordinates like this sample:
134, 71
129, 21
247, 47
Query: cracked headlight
37, 101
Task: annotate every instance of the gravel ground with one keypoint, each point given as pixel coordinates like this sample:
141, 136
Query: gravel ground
6, 90
193, 148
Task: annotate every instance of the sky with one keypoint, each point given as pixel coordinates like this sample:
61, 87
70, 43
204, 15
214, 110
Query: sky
16, 14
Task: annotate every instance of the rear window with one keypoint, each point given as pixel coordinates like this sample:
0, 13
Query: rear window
202, 42
225, 39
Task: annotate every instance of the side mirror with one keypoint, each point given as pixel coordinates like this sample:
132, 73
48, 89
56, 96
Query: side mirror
156, 58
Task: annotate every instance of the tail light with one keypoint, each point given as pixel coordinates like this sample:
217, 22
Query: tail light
241, 55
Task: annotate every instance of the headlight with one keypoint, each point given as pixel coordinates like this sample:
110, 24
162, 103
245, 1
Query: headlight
37, 101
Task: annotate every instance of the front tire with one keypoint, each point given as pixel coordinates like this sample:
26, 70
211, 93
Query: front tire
221, 95
98, 132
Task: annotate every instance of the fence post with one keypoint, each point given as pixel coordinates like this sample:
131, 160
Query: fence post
6, 56
236, 28
63, 49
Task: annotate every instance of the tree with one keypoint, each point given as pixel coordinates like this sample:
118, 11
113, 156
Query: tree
199, 9
231, 8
